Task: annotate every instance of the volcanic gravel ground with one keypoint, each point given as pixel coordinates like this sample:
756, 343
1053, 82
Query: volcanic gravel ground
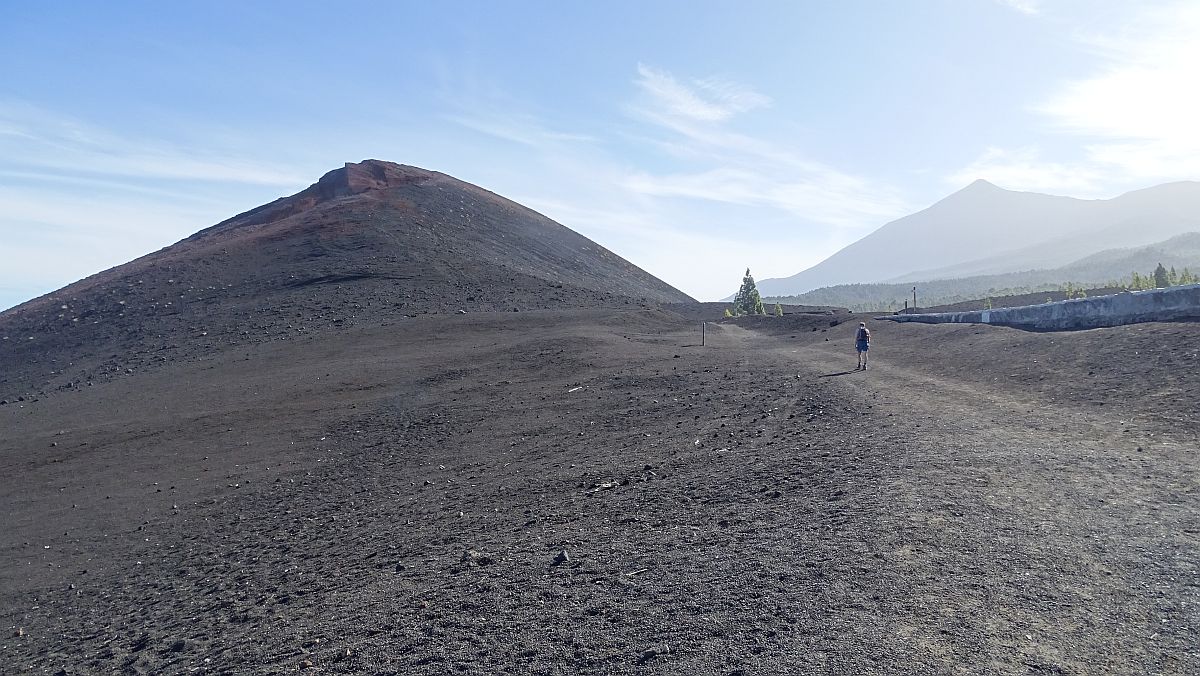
594, 492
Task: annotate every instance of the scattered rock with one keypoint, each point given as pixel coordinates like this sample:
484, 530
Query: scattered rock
604, 486
19, 632
472, 557
651, 653
561, 558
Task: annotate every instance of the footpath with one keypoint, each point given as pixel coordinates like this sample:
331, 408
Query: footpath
1056, 543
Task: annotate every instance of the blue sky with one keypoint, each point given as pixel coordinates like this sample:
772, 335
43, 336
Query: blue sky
693, 138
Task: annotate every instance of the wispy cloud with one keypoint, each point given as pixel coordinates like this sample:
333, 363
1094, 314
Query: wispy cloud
522, 129
1024, 169
33, 138
1030, 7
1135, 118
709, 99
1144, 105
805, 208
835, 199
736, 168
51, 236
706, 265
76, 198
669, 205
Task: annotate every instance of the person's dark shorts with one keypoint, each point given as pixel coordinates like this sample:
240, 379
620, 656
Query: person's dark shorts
862, 345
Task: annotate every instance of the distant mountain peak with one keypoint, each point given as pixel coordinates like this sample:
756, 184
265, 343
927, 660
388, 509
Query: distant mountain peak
982, 184
978, 189
985, 229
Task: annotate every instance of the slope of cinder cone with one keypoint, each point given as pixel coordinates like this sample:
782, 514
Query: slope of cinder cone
370, 242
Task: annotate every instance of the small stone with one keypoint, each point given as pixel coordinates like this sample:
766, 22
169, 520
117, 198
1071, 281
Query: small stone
19, 632
306, 664
561, 558
477, 558
651, 653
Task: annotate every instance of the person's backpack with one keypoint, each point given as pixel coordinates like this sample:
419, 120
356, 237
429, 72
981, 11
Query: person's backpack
864, 334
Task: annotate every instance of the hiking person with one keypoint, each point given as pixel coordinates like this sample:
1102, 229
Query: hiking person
862, 342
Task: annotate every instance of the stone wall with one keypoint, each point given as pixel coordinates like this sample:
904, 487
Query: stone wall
1156, 305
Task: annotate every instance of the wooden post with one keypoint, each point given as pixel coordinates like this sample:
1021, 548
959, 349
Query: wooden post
701, 334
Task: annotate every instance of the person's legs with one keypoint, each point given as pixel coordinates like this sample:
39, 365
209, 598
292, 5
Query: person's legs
864, 358
861, 356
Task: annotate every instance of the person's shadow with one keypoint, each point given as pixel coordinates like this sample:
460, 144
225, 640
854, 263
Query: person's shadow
842, 373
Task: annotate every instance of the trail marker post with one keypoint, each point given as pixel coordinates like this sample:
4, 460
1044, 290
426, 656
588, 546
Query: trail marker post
702, 334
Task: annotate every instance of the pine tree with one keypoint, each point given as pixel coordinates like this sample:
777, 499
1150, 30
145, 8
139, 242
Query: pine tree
747, 301
778, 310
1186, 277
1160, 277
728, 313
1173, 277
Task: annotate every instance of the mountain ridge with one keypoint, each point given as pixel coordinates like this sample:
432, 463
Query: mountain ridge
983, 228
1099, 269
369, 243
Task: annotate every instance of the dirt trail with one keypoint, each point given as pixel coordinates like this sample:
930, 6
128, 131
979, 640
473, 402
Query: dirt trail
1042, 535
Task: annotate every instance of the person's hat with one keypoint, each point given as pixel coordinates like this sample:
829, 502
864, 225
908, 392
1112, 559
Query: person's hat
862, 323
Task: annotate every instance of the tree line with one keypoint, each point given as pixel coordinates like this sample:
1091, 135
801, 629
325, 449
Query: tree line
892, 297
1161, 278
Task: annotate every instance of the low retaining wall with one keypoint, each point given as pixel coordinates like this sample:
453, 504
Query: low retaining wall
1156, 305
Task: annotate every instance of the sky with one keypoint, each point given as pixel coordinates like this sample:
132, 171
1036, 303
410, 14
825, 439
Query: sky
693, 138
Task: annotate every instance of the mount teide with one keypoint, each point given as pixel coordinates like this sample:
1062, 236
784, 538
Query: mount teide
373, 241
984, 229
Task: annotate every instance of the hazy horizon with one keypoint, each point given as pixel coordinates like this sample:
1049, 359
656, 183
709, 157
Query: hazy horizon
693, 142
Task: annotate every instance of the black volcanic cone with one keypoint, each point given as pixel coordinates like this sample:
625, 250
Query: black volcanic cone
370, 242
